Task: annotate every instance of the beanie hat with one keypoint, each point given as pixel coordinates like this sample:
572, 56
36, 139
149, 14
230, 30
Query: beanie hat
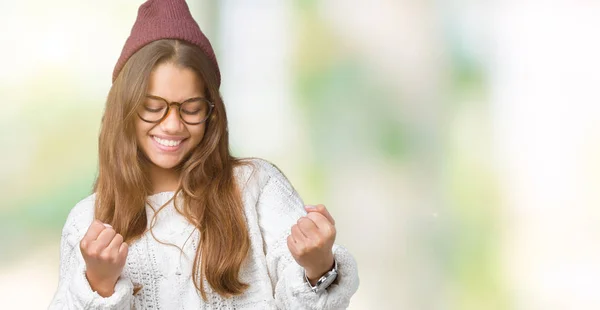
164, 19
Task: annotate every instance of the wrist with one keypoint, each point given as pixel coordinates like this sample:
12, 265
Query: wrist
324, 281
104, 288
314, 274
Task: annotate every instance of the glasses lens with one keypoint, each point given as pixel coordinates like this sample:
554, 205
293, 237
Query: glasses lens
195, 111
153, 109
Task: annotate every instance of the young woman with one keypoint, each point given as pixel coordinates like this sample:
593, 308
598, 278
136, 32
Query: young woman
176, 222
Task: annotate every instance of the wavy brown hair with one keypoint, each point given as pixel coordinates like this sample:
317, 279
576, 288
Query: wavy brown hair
211, 198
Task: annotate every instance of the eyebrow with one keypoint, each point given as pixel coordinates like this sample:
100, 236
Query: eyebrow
167, 101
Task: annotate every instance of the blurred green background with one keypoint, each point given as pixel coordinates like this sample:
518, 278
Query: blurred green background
455, 142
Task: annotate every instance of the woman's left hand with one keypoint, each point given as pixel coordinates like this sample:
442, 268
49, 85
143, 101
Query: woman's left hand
311, 242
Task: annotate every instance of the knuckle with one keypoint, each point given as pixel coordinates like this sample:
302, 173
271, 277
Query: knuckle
105, 256
309, 219
97, 224
92, 253
331, 231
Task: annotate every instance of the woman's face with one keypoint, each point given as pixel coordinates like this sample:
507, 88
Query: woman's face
168, 142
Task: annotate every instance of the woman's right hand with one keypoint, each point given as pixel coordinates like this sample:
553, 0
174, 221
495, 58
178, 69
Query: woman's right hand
104, 253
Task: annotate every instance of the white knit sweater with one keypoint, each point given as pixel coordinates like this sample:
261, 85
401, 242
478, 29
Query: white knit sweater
276, 281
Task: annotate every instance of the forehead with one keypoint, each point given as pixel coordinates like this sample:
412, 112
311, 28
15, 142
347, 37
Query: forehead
175, 83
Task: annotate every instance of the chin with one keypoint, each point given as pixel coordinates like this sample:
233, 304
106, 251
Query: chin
165, 163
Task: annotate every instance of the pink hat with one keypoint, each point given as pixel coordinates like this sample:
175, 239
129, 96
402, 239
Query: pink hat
164, 19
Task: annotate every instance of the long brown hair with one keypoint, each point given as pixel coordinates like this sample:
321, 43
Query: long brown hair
212, 201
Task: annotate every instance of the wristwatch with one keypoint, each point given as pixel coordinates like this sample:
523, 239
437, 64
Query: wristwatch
325, 280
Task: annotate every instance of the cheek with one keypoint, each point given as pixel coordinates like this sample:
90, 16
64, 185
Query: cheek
197, 133
141, 131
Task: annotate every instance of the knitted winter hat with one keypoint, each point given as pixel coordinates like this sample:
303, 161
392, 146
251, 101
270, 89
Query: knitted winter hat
164, 19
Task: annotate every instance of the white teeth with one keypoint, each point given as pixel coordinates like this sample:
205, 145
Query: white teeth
166, 142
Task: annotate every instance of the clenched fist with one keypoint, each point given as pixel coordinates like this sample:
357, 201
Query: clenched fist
311, 242
104, 253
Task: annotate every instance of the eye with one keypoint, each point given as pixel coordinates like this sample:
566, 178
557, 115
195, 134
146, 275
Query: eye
153, 105
193, 107
190, 112
153, 110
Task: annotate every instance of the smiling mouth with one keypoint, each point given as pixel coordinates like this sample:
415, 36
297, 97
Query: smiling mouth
166, 142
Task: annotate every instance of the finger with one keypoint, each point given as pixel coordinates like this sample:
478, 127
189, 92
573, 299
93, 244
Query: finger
123, 250
322, 210
115, 244
326, 229
291, 244
322, 223
92, 233
297, 234
309, 228
104, 239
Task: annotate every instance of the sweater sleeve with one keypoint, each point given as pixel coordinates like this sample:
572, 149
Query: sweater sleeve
279, 207
74, 291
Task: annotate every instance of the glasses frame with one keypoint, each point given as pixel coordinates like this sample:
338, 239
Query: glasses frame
178, 105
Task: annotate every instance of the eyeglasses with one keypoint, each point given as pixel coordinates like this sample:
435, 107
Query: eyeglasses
193, 111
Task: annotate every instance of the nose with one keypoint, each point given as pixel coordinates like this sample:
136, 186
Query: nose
172, 123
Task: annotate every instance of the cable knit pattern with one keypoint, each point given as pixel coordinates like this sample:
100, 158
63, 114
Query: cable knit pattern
163, 270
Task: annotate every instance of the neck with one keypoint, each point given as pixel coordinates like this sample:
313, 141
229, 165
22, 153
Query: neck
163, 180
